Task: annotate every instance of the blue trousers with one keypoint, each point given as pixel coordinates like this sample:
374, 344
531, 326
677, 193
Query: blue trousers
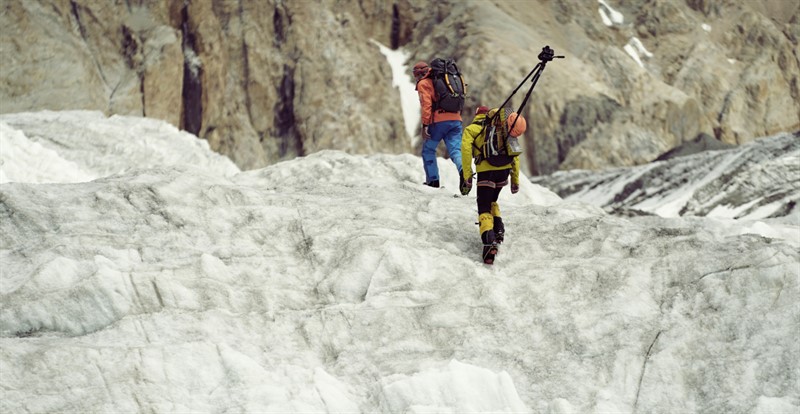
450, 132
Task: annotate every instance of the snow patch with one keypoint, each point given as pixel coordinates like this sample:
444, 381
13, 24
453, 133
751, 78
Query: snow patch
637, 44
81, 146
409, 100
633, 54
636, 49
609, 15
24, 160
192, 60
454, 388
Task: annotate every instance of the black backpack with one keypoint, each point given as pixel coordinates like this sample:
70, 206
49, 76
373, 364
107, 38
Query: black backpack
448, 85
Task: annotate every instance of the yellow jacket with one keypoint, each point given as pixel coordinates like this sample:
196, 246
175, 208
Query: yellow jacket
472, 134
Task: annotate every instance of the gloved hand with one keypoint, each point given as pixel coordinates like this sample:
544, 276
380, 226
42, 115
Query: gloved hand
514, 188
466, 186
425, 133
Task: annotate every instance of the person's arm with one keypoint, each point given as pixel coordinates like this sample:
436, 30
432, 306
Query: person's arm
467, 139
425, 90
515, 171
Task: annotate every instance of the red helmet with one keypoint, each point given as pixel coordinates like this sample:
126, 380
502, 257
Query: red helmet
421, 70
519, 126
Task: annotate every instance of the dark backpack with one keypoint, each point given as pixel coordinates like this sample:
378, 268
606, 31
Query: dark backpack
448, 86
498, 147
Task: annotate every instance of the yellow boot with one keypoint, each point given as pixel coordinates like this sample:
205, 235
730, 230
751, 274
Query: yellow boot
487, 237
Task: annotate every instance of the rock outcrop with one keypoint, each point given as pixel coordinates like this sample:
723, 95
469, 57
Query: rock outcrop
271, 80
261, 81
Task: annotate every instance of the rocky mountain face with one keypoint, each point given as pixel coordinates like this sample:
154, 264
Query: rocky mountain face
270, 80
261, 80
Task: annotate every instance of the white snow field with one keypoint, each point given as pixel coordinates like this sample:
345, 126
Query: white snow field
140, 272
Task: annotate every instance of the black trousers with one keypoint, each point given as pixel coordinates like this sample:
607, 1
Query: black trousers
489, 185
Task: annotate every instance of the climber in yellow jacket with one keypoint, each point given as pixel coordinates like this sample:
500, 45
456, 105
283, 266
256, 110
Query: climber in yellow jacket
493, 175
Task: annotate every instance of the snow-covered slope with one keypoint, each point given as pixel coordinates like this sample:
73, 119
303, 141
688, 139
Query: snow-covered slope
753, 181
79, 146
338, 283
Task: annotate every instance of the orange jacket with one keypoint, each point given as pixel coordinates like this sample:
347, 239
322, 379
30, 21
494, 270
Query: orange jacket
426, 97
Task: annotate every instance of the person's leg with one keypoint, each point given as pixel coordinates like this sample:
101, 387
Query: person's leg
499, 227
429, 155
452, 141
490, 183
500, 179
486, 222
486, 194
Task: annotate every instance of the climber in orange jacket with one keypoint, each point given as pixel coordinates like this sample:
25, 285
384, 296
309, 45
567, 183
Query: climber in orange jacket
437, 125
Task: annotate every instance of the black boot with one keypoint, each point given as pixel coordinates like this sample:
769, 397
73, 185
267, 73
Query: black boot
489, 246
489, 253
434, 183
499, 230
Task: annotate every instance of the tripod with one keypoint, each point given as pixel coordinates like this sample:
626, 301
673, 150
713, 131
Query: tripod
547, 55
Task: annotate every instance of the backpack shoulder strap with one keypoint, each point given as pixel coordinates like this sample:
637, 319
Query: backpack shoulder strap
481, 133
